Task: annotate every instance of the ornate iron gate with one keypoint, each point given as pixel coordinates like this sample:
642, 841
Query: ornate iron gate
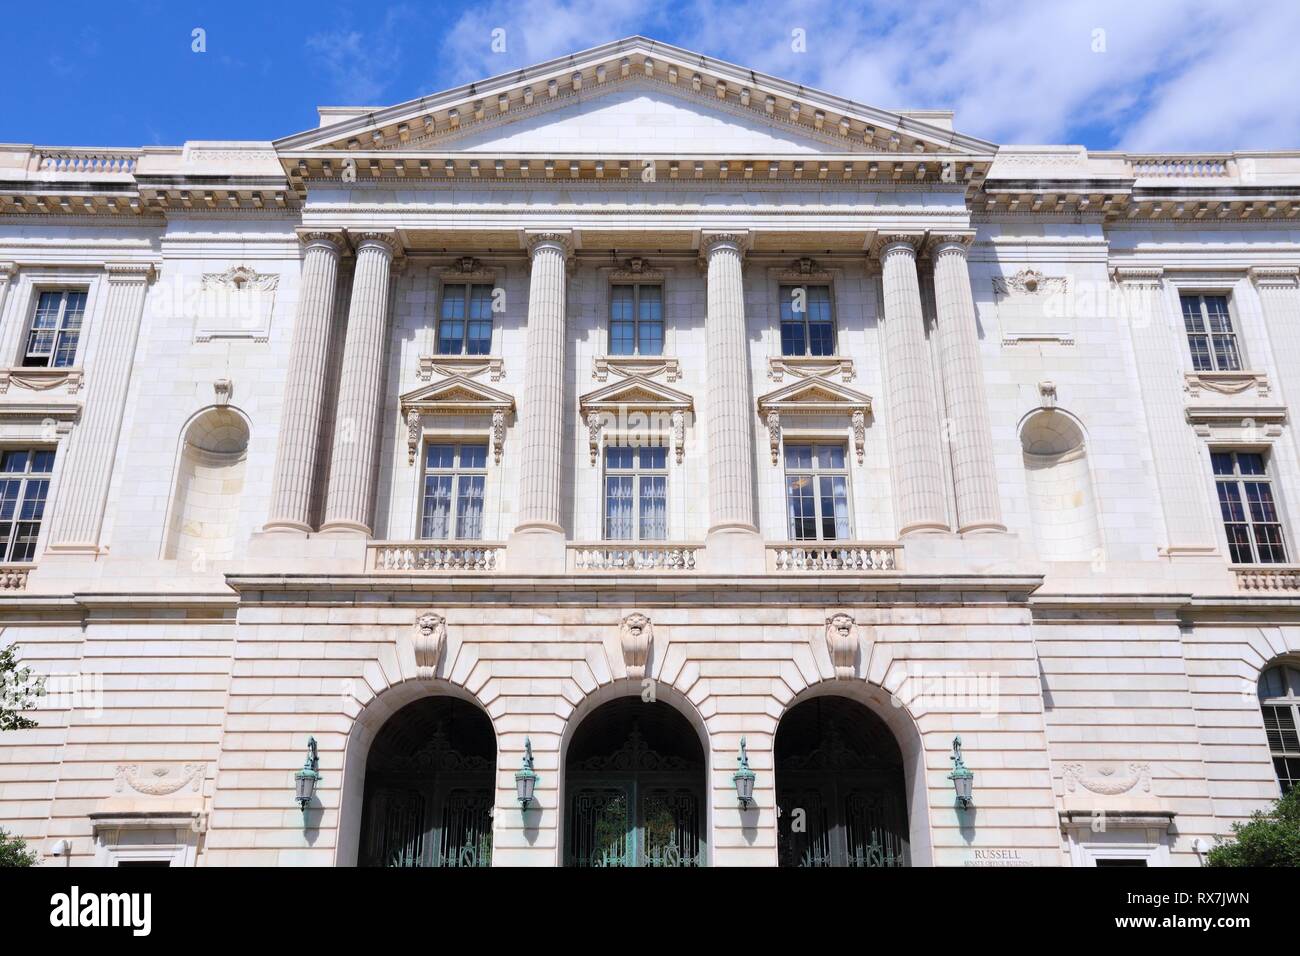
635, 807
840, 806
429, 807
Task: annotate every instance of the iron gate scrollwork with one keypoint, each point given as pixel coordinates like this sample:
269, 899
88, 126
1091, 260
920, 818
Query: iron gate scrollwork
429, 792
634, 804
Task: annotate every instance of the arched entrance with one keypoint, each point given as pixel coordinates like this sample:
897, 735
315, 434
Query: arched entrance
839, 787
634, 788
429, 787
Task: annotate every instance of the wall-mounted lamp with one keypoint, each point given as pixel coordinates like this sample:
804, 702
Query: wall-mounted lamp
306, 779
962, 778
526, 779
743, 778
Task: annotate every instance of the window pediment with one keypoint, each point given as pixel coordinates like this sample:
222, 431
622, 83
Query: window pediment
455, 395
815, 396
636, 404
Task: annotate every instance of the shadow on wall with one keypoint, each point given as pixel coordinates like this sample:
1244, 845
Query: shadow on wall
209, 482
1059, 482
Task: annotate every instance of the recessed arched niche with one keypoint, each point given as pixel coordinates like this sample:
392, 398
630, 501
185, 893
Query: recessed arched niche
209, 482
1059, 482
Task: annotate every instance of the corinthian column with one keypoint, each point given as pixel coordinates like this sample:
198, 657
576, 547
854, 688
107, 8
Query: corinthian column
733, 542
913, 420
973, 474
350, 501
304, 393
92, 446
538, 541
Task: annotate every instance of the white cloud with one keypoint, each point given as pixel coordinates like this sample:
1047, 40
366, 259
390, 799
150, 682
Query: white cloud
1172, 74
360, 66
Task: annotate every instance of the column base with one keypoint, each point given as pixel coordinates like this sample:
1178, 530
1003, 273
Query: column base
734, 549
983, 527
538, 549
344, 527
924, 527
286, 527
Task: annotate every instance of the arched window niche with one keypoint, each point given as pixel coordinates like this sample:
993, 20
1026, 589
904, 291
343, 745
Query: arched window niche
1279, 703
1058, 479
204, 512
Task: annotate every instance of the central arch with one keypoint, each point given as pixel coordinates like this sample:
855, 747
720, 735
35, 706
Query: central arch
429, 787
841, 787
635, 789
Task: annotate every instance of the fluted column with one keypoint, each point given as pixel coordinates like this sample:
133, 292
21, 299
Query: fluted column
730, 418
919, 496
349, 504
304, 392
92, 446
971, 442
542, 410
1157, 342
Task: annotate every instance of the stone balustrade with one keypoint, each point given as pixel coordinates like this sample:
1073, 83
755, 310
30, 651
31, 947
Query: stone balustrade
13, 577
626, 556
86, 161
1179, 168
1280, 577
847, 556
434, 556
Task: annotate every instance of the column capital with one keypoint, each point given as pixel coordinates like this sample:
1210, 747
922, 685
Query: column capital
952, 241
385, 238
553, 239
329, 238
1138, 275
8, 270
710, 242
1275, 277
888, 243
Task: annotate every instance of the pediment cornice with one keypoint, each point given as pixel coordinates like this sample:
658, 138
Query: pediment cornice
634, 393
446, 116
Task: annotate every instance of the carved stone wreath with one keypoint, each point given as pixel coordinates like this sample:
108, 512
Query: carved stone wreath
1106, 783
160, 782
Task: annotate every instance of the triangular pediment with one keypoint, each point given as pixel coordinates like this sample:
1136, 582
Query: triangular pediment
635, 392
815, 394
636, 97
456, 393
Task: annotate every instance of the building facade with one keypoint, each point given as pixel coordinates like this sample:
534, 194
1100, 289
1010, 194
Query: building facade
631, 418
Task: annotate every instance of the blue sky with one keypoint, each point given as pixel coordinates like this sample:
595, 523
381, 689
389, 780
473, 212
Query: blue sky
1127, 74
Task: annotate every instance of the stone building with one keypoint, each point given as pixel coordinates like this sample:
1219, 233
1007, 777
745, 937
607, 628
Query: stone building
626, 416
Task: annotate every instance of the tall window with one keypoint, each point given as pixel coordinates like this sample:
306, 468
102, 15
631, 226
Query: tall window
465, 325
1210, 334
636, 493
807, 327
817, 493
56, 328
636, 320
24, 485
453, 492
1250, 516
1279, 700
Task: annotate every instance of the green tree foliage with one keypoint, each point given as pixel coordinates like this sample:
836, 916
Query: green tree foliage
18, 691
14, 852
1266, 839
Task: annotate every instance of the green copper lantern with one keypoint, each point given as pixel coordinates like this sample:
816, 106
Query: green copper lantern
306, 779
962, 778
743, 778
526, 778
